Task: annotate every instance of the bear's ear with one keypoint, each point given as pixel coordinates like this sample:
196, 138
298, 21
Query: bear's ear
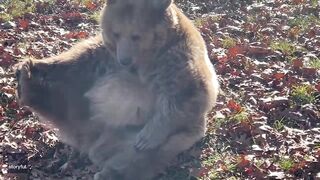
161, 5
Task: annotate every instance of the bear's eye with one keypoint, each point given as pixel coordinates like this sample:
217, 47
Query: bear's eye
135, 37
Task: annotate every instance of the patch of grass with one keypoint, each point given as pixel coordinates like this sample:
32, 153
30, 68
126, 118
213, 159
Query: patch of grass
285, 47
231, 167
213, 175
16, 8
83, 2
259, 162
303, 94
87, 2
314, 3
210, 162
228, 42
228, 164
279, 124
251, 19
286, 164
300, 22
303, 22
219, 122
314, 63
212, 159
95, 16
5, 17
198, 22
241, 116
203, 20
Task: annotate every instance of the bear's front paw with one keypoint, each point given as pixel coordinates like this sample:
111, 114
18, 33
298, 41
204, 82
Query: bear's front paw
32, 78
22, 69
23, 76
147, 140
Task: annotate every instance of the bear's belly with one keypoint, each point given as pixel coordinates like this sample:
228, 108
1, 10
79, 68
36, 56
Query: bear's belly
120, 100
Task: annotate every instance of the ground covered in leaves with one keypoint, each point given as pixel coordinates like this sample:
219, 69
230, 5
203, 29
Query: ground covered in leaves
266, 52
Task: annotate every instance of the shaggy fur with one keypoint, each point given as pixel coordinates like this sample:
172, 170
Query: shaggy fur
134, 98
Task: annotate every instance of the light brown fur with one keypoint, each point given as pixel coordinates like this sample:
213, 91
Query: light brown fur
54, 88
134, 101
169, 60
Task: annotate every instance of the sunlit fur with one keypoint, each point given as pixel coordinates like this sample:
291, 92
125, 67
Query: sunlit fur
131, 120
170, 69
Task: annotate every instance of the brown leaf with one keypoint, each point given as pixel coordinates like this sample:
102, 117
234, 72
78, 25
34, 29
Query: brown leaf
276, 102
17, 51
248, 170
77, 35
309, 72
312, 33
298, 1
243, 161
24, 24
1, 110
6, 59
234, 106
1, 49
297, 63
30, 132
91, 5
318, 86
203, 171
258, 51
13, 105
294, 32
223, 59
72, 16
82, 35
318, 152
278, 76
234, 51
298, 166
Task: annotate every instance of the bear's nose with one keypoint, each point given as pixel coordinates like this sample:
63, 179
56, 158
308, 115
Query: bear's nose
125, 61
